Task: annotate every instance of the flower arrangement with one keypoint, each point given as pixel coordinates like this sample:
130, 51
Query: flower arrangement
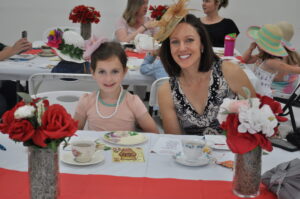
56, 40
84, 14
249, 122
158, 11
36, 123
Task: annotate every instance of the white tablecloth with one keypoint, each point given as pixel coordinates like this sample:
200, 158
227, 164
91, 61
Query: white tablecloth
155, 166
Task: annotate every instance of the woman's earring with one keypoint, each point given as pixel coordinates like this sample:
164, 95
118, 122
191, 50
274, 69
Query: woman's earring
202, 50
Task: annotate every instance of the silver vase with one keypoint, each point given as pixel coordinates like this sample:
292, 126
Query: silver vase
247, 173
86, 30
43, 170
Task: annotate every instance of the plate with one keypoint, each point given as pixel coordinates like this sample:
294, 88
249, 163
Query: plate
22, 57
42, 54
68, 158
202, 161
125, 138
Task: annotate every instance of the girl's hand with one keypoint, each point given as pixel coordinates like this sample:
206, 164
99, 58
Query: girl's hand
252, 46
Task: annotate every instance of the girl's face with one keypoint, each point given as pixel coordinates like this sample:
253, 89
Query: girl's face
185, 46
143, 9
209, 6
109, 74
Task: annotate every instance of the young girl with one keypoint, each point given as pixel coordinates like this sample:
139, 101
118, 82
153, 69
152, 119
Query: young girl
269, 61
111, 108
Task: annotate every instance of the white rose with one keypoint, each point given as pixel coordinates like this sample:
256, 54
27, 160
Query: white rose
25, 111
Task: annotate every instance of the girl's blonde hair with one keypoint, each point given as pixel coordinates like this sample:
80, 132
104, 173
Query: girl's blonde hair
293, 58
133, 7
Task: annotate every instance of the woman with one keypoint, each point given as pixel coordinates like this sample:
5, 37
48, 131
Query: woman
216, 25
199, 81
134, 21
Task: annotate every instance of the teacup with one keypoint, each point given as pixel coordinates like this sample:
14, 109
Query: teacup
192, 148
83, 150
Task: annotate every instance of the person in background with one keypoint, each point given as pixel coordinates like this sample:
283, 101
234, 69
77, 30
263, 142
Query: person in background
8, 95
217, 26
134, 21
286, 82
269, 61
152, 66
69, 46
111, 108
199, 81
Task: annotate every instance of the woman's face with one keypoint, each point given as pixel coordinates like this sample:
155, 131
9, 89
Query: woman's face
109, 74
143, 9
209, 6
185, 46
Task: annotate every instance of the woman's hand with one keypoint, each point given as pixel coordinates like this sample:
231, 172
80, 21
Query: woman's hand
21, 45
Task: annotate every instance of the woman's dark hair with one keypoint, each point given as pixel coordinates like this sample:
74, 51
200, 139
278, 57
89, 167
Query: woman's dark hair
223, 3
207, 56
106, 51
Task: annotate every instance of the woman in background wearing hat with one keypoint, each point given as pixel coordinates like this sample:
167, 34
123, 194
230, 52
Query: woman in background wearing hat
269, 62
69, 46
134, 21
217, 26
199, 81
285, 82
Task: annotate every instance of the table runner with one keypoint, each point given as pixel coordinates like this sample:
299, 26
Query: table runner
14, 185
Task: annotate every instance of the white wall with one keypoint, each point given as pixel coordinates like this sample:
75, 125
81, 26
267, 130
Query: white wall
37, 15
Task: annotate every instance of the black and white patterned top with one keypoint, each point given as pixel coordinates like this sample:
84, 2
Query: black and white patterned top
190, 121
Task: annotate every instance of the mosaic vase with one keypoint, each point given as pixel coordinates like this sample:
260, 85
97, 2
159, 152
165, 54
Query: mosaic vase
43, 170
247, 173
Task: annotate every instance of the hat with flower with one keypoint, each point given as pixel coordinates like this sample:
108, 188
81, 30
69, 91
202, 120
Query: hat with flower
170, 19
287, 30
68, 45
91, 45
268, 38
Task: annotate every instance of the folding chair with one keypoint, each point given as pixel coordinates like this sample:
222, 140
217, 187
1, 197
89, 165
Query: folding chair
61, 88
293, 100
153, 102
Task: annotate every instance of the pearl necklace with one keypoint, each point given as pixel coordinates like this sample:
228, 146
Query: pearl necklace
116, 109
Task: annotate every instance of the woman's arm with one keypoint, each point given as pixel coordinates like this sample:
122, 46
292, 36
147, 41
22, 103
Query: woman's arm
19, 46
123, 36
147, 123
167, 111
248, 57
237, 79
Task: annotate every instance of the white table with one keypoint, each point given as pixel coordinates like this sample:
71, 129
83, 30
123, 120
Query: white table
22, 70
160, 168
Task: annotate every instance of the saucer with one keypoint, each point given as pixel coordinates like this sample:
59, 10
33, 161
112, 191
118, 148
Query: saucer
201, 161
42, 54
68, 158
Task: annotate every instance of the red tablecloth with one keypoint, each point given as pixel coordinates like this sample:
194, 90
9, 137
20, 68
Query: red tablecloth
134, 54
14, 185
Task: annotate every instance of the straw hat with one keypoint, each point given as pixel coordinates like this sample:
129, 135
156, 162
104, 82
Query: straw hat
69, 46
287, 30
268, 38
170, 19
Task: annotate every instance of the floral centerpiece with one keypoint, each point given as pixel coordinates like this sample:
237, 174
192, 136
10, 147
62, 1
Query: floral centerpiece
41, 127
248, 124
85, 15
158, 11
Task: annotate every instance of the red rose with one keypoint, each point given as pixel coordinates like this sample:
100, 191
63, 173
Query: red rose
56, 124
21, 130
8, 118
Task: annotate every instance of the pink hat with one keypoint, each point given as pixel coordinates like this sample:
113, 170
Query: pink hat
91, 45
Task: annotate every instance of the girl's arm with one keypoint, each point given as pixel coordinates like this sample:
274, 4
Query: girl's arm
281, 66
147, 123
248, 57
81, 121
237, 79
167, 111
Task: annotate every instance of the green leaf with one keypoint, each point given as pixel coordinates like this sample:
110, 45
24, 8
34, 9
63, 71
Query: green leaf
25, 96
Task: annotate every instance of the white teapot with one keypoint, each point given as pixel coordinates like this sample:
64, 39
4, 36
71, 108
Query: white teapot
145, 42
